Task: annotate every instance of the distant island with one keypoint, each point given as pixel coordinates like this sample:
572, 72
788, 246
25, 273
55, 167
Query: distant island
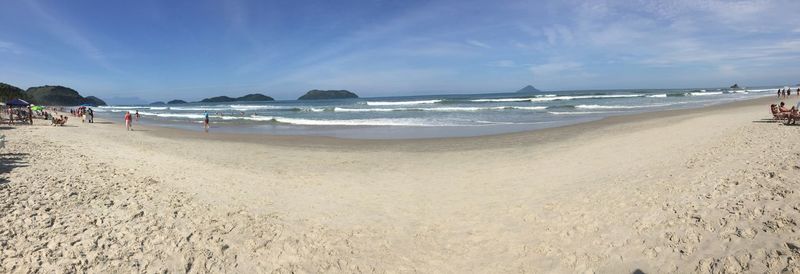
48, 95
255, 97
250, 97
528, 89
176, 102
735, 86
327, 94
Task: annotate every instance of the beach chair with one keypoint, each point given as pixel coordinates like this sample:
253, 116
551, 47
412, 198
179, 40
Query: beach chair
777, 115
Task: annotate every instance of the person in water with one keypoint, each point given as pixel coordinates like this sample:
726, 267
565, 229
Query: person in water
205, 121
137, 115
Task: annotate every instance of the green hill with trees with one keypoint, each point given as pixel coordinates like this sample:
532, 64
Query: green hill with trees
8, 92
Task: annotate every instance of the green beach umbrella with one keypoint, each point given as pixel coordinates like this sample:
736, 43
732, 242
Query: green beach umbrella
37, 108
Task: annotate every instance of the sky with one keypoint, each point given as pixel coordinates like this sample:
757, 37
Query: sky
162, 50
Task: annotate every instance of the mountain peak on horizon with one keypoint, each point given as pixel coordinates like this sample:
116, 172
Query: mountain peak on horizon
528, 88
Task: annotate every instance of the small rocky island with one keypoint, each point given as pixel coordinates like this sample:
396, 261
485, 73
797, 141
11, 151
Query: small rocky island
735, 86
176, 102
327, 94
528, 89
255, 97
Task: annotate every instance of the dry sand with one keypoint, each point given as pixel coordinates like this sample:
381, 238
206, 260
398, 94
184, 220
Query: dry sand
708, 190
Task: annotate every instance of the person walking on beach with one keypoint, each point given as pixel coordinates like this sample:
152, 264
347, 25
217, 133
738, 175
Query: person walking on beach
90, 112
205, 121
128, 121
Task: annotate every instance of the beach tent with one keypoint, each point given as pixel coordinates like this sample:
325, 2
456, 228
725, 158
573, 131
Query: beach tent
37, 108
17, 103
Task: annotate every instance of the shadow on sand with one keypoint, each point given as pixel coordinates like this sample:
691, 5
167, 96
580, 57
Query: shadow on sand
10, 161
768, 121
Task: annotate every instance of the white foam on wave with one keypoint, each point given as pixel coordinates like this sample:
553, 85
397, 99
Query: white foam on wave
576, 112
398, 103
175, 115
530, 108
607, 107
159, 108
551, 97
261, 107
508, 100
763, 90
352, 122
601, 96
663, 95
441, 109
703, 93
338, 109
214, 108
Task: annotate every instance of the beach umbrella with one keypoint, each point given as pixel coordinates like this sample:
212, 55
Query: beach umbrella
17, 103
37, 108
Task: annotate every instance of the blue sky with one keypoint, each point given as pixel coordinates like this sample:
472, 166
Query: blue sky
159, 50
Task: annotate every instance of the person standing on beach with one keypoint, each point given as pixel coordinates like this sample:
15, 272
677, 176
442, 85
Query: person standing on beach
91, 115
137, 115
30, 115
205, 120
128, 121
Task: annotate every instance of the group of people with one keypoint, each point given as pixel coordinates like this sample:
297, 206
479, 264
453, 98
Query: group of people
781, 112
23, 115
86, 114
785, 93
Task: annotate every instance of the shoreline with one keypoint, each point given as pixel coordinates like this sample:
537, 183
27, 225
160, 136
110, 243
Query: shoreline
549, 134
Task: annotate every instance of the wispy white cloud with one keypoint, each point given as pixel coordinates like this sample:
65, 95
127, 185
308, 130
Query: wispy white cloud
503, 63
558, 35
10, 47
69, 35
550, 69
478, 44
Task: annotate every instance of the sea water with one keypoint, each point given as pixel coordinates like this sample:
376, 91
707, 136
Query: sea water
428, 116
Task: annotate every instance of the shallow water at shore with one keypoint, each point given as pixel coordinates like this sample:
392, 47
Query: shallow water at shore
429, 116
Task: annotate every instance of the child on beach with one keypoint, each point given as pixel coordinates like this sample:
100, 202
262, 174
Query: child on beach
128, 121
137, 115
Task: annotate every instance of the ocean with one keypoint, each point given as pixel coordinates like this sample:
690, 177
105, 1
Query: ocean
428, 116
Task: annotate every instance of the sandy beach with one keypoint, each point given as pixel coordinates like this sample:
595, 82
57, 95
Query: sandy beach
704, 190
